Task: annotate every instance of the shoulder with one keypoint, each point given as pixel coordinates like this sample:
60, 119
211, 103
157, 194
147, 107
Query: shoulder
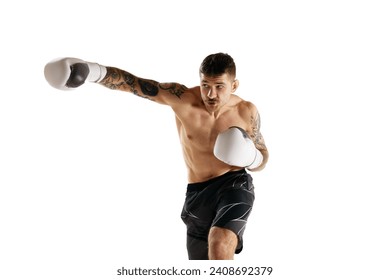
177, 94
188, 99
194, 90
246, 108
192, 95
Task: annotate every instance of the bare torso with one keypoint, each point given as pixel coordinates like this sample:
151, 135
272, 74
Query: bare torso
198, 130
201, 114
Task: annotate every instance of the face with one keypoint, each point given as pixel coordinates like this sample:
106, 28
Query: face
216, 91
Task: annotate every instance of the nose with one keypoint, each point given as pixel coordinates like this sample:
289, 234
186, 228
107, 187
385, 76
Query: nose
211, 94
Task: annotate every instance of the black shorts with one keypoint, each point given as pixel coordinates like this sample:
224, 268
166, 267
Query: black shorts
225, 201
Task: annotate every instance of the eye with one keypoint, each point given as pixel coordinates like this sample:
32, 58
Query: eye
205, 85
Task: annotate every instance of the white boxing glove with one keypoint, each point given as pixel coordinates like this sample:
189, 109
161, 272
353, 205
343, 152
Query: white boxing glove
69, 73
234, 147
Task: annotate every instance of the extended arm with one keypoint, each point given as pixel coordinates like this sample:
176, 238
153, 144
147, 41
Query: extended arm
164, 93
70, 73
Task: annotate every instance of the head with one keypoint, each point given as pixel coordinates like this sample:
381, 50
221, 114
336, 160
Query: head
217, 80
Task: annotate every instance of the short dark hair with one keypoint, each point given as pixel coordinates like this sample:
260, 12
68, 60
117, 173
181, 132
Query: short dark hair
217, 64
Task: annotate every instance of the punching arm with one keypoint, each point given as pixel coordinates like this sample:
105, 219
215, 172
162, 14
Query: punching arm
164, 93
70, 73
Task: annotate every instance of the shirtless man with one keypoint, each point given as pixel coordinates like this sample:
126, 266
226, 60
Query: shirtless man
220, 136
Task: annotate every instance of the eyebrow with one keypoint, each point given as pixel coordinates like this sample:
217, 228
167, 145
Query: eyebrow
218, 83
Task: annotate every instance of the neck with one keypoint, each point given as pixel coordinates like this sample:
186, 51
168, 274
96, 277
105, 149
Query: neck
214, 112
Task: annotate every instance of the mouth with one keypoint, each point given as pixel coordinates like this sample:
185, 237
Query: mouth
212, 102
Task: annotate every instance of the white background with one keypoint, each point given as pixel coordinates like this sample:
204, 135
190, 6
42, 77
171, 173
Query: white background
92, 180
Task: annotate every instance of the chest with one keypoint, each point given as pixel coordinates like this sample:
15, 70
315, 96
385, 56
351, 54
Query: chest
199, 130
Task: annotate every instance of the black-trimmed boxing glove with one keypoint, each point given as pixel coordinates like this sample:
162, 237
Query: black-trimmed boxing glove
69, 73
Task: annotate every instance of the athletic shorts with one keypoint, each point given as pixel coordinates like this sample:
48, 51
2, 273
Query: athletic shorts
225, 201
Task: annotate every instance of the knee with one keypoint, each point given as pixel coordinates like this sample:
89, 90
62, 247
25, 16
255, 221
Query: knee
220, 250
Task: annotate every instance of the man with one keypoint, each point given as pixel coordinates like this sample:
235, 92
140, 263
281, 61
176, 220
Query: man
220, 137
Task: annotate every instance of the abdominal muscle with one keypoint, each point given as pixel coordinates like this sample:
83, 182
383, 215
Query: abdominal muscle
199, 157
206, 167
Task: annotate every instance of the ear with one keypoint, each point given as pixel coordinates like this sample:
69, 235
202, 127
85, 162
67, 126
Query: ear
235, 85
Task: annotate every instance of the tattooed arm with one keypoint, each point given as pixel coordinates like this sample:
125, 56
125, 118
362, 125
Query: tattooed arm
256, 135
163, 93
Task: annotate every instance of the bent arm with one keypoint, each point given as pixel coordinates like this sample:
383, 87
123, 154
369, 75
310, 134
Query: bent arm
163, 93
257, 137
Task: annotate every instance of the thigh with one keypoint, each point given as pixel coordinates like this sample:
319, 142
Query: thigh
198, 213
234, 208
222, 243
223, 235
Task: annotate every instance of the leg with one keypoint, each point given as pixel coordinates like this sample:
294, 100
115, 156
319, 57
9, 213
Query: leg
222, 244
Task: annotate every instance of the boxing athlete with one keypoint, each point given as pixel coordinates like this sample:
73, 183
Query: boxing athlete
220, 136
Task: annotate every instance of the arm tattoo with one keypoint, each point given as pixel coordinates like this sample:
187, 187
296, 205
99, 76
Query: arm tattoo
117, 79
256, 135
173, 88
148, 87
114, 79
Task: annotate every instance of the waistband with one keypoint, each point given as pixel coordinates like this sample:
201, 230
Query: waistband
201, 185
